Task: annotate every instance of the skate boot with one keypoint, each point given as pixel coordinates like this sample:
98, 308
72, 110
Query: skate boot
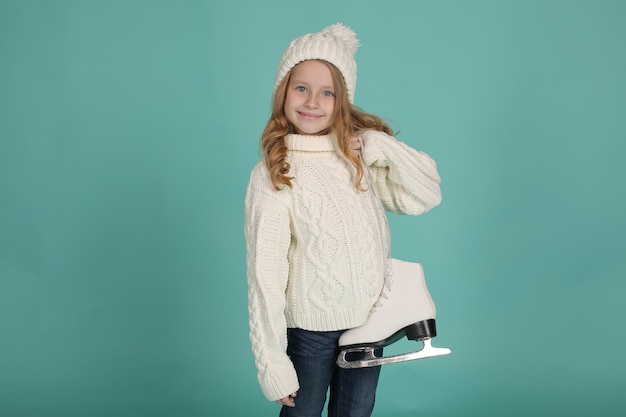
405, 308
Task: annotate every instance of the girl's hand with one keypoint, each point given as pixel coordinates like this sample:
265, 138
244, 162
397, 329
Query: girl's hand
355, 147
288, 400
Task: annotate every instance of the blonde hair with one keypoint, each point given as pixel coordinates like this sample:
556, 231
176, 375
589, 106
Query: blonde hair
348, 121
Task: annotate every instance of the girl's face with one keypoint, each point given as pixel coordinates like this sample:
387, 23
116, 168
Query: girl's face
310, 98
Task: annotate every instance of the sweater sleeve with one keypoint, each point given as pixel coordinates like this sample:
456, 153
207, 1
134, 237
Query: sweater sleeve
407, 179
268, 236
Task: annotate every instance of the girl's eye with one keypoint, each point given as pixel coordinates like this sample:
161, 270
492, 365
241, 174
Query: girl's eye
328, 93
301, 89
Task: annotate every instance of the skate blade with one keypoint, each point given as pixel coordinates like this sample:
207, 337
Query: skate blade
428, 351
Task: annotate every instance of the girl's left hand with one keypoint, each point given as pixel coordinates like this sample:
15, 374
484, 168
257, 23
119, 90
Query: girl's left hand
355, 147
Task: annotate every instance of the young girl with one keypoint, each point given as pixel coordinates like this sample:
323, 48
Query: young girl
316, 233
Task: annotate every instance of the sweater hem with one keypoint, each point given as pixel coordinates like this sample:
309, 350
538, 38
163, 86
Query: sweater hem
329, 321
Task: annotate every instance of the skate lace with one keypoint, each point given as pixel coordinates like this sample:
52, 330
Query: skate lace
386, 290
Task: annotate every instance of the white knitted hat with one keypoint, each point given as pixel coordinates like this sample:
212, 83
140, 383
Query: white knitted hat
336, 44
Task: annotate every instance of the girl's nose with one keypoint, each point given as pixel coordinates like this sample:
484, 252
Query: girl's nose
311, 101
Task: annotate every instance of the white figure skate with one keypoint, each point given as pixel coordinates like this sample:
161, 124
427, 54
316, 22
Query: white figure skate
405, 308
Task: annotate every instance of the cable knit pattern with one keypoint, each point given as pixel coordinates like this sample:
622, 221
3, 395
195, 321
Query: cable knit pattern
316, 251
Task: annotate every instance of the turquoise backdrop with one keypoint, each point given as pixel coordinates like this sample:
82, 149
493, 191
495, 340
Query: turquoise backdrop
127, 133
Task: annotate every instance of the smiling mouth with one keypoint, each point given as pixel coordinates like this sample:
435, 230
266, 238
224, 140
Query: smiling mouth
310, 116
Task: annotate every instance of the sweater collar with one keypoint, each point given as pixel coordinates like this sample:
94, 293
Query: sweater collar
310, 143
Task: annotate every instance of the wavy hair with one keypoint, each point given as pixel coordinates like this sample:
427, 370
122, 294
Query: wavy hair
347, 121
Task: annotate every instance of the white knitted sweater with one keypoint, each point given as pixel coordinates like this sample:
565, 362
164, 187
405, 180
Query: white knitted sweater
316, 251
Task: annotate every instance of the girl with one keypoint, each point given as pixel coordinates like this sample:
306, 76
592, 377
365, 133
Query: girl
316, 234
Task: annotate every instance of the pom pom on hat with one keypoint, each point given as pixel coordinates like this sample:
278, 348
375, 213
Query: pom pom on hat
336, 44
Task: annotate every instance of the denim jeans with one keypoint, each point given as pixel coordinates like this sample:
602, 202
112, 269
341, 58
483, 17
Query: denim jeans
352, 391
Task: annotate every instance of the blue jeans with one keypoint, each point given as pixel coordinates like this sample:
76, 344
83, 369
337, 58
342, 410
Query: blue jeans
352, 391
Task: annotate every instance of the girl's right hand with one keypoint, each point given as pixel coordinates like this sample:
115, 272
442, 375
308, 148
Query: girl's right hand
288, 400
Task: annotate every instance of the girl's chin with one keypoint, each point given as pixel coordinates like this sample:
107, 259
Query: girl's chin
311, 132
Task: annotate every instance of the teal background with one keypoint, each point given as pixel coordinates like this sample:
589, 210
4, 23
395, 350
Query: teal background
127, 133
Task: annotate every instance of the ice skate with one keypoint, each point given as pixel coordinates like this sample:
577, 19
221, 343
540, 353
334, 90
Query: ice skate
405, 308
